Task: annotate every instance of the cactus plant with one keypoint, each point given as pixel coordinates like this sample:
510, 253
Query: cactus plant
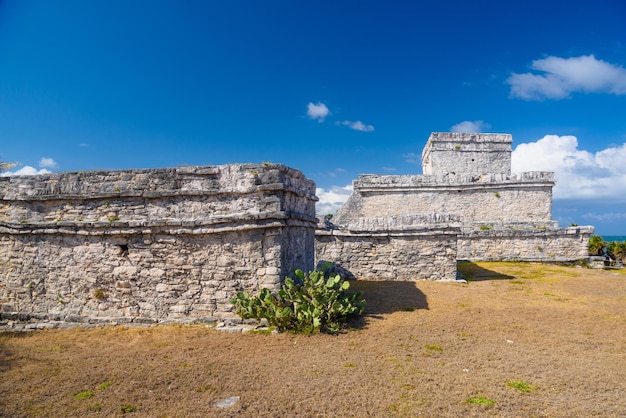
310, 303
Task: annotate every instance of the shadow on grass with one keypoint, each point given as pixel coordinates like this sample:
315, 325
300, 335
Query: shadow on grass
384, 297
472, 272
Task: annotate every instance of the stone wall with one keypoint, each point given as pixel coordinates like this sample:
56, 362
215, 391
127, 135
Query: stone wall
503, 216
541, 243
150, 245
526, 197
451, 152
414, 247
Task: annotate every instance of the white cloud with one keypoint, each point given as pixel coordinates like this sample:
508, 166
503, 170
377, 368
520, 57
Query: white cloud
331, 200
467, 126
357, 126
47, 163
580, 174
25, 171
563, 76
317, 111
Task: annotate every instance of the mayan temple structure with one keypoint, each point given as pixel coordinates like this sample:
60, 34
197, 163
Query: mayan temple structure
501, 216
150, 245
176, 244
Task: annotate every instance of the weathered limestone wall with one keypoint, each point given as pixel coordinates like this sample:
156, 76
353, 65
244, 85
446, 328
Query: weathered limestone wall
415, 247
150, 245
526, 197
474, 154
541, 244
503, 216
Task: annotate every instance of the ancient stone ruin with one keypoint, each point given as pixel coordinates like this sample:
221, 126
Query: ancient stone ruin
148, 246
466, 190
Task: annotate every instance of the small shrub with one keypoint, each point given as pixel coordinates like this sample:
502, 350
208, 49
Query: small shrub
127, 408
84, 395
486, 227
104, 385
433, 348
312, 303
497, 194
481, 400
99, 294
522, 386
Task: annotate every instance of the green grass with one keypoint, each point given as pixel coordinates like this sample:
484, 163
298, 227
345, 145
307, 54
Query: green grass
104, 385
127, 408
433, 347
481, 400
84, 395
522, 386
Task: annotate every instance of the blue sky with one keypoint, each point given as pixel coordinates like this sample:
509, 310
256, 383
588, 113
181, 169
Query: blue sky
333, 88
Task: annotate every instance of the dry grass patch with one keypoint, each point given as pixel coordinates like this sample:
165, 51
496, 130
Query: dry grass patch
422, 349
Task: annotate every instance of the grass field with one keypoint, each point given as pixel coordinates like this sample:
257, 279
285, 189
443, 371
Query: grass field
518, 340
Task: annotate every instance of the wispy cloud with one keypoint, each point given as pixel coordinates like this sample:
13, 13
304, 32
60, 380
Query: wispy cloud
46, 162
317, 111
470, 126
559, 77
331, 200
605, 217
357, 126
336, 172
413, 158
580, 174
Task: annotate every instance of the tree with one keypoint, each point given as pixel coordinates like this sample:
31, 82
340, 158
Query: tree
617, 250
596, 244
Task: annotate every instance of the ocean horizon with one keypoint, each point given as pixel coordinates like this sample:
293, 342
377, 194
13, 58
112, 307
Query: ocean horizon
611, 238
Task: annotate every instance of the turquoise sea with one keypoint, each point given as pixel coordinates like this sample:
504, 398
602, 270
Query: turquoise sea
611, 238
